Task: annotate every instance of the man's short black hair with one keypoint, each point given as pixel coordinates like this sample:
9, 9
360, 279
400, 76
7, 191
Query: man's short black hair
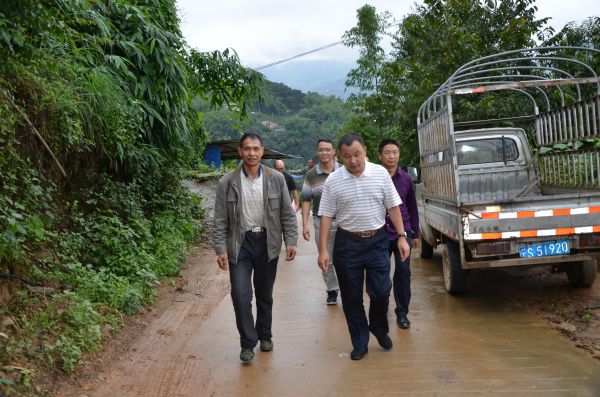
326, 141
349, 139
251, 135
388, 141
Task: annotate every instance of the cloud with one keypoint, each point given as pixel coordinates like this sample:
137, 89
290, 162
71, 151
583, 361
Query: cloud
264, 31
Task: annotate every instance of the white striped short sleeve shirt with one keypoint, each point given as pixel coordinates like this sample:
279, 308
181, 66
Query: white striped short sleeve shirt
359, 203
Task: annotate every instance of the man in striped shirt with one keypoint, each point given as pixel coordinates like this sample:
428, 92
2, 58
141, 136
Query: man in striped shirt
358, 195
312, 188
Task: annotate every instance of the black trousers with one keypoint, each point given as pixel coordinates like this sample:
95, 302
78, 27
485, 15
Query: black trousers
401, 277
253, 258
357, 258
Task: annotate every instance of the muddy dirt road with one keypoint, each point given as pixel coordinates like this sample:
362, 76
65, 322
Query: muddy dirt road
488, 341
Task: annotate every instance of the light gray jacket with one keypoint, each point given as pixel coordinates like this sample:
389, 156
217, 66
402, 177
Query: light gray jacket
279, 217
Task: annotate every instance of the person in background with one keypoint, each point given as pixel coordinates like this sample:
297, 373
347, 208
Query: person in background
289, 180
314, 180
310, 163
357, 196
252, 213
389, 154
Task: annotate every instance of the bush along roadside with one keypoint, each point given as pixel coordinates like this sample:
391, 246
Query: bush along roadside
89, 261
97, 130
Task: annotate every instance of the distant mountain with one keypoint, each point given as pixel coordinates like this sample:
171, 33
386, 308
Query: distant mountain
289, 121
323, 77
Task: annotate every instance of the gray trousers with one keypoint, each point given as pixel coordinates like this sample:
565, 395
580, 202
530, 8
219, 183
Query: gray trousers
330, 278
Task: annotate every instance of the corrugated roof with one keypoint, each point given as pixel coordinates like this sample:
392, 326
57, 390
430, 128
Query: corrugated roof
229, 151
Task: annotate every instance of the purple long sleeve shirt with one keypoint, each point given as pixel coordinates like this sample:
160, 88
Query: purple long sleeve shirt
408, 208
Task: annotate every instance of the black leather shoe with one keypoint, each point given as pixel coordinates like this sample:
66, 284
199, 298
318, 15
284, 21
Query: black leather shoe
384, 341
357, 354
403, 322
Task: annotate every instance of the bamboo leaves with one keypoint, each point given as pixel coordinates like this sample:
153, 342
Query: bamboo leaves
220, 78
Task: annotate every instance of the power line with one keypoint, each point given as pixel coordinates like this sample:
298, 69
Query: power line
298, 56
310, 52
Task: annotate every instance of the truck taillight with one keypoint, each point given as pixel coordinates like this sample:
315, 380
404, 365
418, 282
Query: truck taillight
589, 240
500, 247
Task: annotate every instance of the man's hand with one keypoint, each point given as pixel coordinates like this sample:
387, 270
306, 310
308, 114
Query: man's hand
416, 243
305, 212
306, 232
290, 252
325, 226
403, 248
223, 261
323, 260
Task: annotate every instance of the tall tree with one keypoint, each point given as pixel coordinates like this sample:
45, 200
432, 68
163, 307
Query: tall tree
438, 37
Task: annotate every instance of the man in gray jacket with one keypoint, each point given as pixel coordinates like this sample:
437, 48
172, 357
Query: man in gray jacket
252, 213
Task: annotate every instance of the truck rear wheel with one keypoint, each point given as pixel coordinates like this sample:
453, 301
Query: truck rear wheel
582, 274
454, 275
426, 249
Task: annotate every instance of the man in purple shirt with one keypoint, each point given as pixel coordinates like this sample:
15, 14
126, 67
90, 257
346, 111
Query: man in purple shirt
389, 154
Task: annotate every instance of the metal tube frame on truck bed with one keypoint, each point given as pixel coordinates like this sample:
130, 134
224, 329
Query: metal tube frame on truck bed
532, 72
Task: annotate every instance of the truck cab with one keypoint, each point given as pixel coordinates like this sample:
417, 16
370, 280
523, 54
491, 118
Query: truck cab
494, 165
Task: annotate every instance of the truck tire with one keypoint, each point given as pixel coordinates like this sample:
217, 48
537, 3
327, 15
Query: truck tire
582, 274
426, 249
454, 275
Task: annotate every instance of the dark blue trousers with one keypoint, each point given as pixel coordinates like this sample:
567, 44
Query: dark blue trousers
401, 278
356, 259
253, 257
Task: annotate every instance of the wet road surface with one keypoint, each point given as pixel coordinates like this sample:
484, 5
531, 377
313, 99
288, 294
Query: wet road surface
479, 344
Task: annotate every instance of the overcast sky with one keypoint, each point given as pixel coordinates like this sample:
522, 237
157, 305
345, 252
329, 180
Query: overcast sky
264, 31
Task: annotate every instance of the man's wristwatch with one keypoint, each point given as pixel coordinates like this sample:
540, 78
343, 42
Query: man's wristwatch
403, 234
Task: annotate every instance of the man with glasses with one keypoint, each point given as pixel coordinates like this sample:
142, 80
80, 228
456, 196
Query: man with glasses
252, 213
311, 192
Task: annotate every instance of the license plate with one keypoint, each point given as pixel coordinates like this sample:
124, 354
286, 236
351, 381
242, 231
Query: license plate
560, 247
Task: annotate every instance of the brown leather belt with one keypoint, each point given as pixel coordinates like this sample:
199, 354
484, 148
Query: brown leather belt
363, 234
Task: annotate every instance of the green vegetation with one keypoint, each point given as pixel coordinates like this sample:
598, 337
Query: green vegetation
99, 126
428, 46
290, 121
105, 110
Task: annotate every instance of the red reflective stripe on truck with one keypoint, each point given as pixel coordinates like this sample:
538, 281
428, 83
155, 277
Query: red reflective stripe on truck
490, 215
565, 230
525, 214
528, 233
540, 213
